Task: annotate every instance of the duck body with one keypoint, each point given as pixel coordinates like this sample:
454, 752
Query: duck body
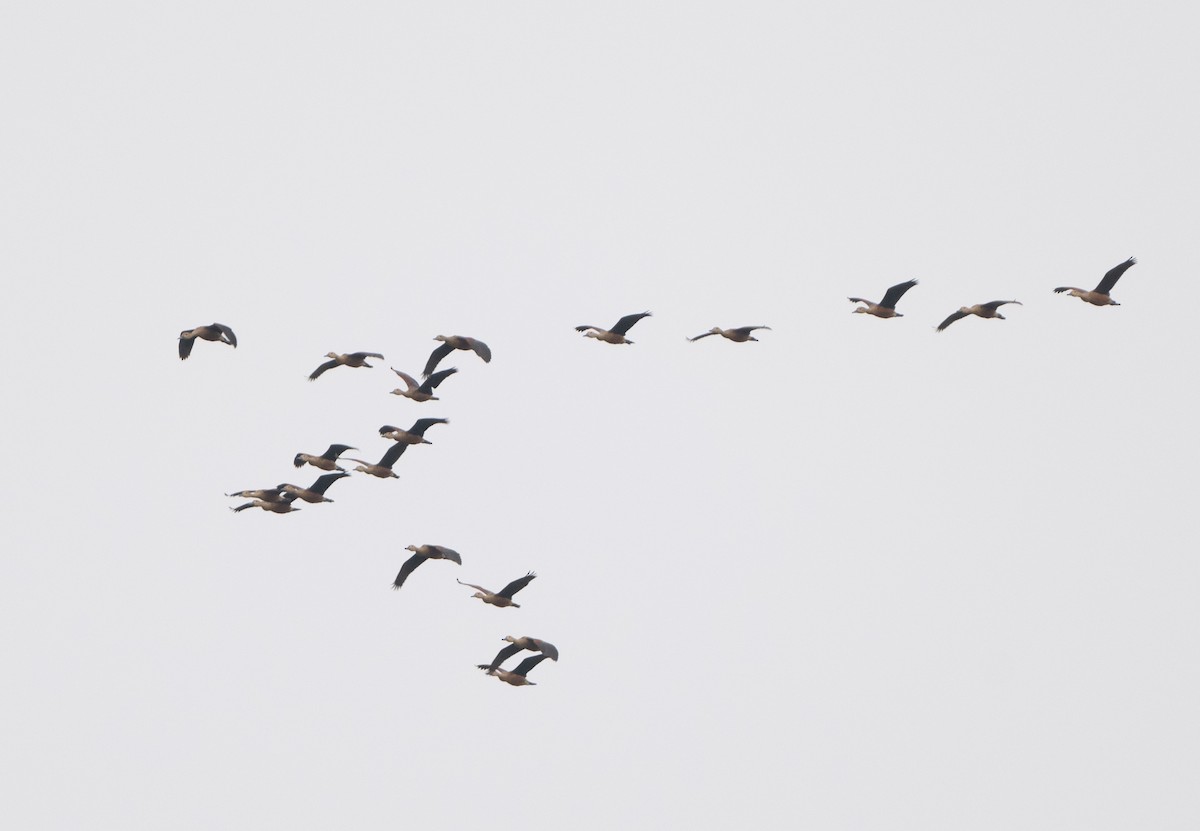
617, 333
213, 332
1099, 296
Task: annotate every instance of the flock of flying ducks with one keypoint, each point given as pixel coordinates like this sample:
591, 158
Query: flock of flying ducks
1098, 296
281, 498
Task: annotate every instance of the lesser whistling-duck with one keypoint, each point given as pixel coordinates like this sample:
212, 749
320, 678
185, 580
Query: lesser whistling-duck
518, 644
421, 553
1099, 295
352, 359
414, 434
887, 306
326, 461
422, 391
980, 310
384, 468
283, 506
315, 492
617, 333
516, 676
449, 344
503, 597
738, 335
215, 331
266, 494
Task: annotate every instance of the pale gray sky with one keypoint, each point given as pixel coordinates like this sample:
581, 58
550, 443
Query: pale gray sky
854, 576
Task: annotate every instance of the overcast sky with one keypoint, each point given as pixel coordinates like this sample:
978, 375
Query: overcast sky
857, 575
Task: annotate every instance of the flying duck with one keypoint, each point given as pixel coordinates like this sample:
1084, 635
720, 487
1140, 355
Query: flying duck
414, 434
326, 461
516, 677
739, 335
449, 344
421, 553
354, 359
316, 491
384, 469
887, 306
980, 310
1097, 296
504, 596
516, 645
617, 333
215, 331
280, 507
424, 391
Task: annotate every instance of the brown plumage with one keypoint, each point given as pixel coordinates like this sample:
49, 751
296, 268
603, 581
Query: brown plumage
315, 492
1099, 295
739, 335
516, 676
265, 494
449, 344
887, 306
980, 310
352, 359
414, 434
518, 644
275, 507
617, 333
423, 391
421, 553
384, 469
215, 332
503, 597
326, 461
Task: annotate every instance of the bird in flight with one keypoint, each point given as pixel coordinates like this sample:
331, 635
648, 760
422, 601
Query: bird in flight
503, 597
384, 468
738, 335
326, 461
215, 331
421, 553
423, 391
518, 644
516, 676
354, 359
887, 306
980, 310
1099, 295
449, 344
414, 434
617, 333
